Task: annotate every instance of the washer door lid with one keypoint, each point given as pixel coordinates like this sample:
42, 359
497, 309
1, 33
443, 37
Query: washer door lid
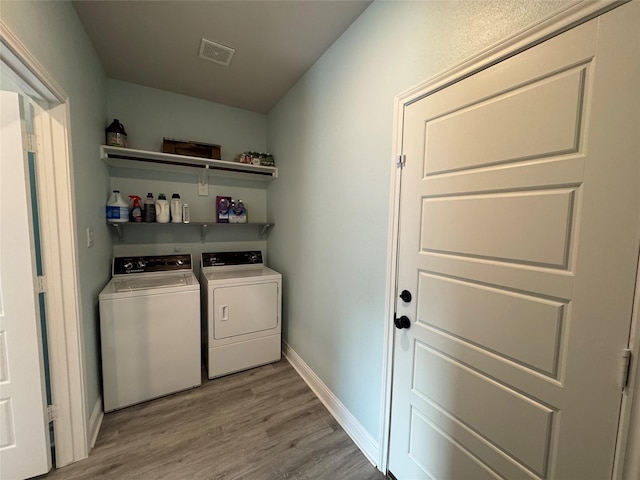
136, 284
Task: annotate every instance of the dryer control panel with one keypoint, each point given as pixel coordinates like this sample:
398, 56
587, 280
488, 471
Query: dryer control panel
151, 264
229, 259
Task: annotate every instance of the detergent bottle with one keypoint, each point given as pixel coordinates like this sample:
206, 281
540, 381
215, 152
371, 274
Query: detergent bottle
162, 209
117, 208
149, 208
176, 209
136, 209
241, 212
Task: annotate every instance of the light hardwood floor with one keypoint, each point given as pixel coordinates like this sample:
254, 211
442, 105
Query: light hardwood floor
262, 424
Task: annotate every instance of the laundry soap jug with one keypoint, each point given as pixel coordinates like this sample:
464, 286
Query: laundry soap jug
241, 212
117, 208
162, 209
222, 209
136, 209
115, 134
238, 213
176, 209
149, 208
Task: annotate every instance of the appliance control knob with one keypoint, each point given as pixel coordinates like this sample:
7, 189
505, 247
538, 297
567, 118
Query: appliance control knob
179, 262
141, 263
128, 265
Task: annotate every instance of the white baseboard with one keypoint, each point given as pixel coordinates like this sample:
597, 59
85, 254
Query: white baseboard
95, 422
365, 442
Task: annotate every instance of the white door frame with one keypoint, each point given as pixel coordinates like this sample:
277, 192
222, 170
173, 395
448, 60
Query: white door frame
60, 253
575, 14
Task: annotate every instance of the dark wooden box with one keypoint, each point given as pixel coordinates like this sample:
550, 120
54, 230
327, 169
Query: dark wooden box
191, 149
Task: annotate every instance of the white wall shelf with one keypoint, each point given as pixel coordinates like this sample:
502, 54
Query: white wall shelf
264, 228
166, 162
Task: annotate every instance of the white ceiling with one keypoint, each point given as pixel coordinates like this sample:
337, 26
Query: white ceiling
156, 44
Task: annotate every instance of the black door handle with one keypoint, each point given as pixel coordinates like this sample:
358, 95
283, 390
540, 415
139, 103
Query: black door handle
405, 296
402, 322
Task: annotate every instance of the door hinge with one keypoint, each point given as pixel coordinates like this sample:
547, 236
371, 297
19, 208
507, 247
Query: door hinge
401, 161
52, 412
625, 367
41, 284
32, 143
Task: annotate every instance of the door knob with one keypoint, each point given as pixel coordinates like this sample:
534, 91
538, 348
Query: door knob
402, 322
405, 296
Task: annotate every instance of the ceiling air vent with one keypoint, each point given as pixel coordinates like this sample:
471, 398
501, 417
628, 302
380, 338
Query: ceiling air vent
215, 52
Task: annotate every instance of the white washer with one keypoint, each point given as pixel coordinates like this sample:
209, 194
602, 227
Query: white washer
242, 305
149, 329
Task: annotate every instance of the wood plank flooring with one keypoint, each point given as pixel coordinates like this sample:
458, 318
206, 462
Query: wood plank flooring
262, 424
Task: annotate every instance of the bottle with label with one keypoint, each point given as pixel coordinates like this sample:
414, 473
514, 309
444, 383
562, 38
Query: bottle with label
136, 209
149, 209
222, 209
241, 212
237, 212
176, 209
115, 134
117, 208
162, 209
232, 212
186, 218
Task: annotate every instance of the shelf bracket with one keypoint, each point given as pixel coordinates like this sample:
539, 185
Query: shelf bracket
265, 229
203, 231
118, 230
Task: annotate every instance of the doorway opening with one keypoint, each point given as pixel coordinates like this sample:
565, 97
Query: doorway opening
50, 165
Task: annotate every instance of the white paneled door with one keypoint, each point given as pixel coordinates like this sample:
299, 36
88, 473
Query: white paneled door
519, 235
24, 431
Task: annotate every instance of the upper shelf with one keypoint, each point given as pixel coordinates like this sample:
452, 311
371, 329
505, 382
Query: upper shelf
142, 159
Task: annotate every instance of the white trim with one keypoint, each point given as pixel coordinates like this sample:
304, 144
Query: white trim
58, 231
561, 21
578, 12
68, 252
60, 387
390, 288
28, 68
365, 442
95, 421
627, 461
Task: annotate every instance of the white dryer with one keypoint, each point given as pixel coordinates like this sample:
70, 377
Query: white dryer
241, 310
149, 329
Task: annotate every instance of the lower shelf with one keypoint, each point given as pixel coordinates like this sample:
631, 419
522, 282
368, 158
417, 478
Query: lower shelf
264, 228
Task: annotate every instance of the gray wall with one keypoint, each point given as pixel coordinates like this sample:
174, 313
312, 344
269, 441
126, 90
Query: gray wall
54, 35
332, 137
148, 115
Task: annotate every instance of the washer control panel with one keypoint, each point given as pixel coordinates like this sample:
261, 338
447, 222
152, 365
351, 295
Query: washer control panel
229, 259
151, 264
